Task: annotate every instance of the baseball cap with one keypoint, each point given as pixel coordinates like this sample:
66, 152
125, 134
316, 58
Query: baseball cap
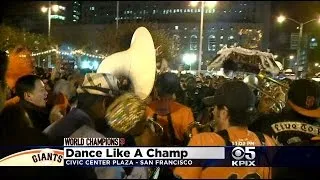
235, 95
167, 82
304, 97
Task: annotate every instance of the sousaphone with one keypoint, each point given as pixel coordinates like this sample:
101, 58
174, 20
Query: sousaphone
138, 63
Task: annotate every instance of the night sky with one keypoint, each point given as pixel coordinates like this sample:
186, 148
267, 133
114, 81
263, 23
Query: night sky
299, 10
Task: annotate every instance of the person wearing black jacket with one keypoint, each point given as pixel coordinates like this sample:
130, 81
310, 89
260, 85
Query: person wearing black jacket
18, 134
33, 98
298, 121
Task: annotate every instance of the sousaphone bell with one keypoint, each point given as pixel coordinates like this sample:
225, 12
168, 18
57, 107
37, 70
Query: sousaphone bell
138, 63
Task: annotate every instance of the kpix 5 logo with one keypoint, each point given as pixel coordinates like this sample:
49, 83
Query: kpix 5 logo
243, 156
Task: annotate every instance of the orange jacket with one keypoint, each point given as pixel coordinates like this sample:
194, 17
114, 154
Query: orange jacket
236, 134
181, 116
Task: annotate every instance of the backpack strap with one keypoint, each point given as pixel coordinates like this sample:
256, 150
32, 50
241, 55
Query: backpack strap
225, 135
173, 139
155, 117
261, 138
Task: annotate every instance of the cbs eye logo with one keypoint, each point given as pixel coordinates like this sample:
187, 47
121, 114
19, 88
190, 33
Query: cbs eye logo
238, 153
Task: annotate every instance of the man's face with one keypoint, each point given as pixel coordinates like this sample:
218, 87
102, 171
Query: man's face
38, 96
221, 118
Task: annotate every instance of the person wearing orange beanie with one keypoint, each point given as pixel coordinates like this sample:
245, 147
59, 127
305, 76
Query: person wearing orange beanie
20, 63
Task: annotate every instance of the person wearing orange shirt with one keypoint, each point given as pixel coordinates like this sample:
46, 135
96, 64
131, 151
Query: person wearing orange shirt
233, 112
174, 117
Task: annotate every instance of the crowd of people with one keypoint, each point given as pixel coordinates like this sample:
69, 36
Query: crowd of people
40, 107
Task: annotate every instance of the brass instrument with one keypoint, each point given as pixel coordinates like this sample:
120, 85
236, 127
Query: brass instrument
127, 113
269, 100
155, 127
262, 75
208, 127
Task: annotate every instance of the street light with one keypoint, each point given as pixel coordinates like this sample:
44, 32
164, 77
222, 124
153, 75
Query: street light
54, 8
281, 19
44, 9
291, 57
189, 59
210, 4
117, 18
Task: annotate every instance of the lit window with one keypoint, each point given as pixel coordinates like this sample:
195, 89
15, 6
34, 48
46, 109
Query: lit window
213, 28
92, 8
193, 43
211, 43
74, 20
176, 27
176, 37
225, 11
188, 10
221, 37
192, 10
154, 11
185, 28
185, 37
221, 45
221, 29
62, 8
231, 37
240, 11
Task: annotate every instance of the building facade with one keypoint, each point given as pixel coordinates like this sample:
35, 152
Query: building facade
240, 23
